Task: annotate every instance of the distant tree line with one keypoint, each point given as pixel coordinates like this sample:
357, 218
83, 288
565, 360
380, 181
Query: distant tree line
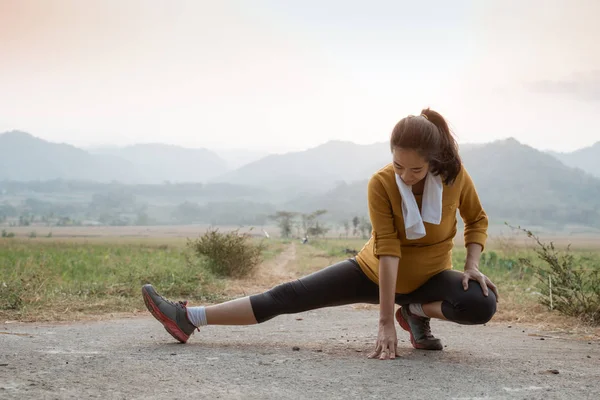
308, 224
60, 202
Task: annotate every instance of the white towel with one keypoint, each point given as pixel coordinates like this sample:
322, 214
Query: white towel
431, 205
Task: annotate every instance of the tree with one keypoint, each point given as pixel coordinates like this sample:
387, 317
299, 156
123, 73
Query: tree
347, 228
365, 228
355, 222
65, 221
284, 221
8, 210
186, 212
309, 220
317, 230
142, 219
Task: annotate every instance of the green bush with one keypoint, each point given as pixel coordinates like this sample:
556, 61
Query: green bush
565, 283
6, 234
229, 254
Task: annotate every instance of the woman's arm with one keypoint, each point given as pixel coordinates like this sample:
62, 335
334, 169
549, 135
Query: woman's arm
473, 255
472, 213
386, 246
476, 224
388, 272
387, 341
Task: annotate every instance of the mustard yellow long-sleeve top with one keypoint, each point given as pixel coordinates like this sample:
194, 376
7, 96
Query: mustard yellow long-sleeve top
422, 258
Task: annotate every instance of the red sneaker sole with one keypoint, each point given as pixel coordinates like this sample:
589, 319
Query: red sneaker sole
170, 326
404, 325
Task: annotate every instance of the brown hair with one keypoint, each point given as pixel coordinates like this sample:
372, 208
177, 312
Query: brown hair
430, 136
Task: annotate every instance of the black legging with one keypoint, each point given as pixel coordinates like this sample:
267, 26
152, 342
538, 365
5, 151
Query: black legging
345, 283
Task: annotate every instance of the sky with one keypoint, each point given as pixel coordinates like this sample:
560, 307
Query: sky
277, 75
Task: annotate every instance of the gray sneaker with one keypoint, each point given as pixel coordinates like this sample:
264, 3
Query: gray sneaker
419, 329
172, 315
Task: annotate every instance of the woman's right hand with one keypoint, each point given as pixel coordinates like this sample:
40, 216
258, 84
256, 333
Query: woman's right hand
387, 342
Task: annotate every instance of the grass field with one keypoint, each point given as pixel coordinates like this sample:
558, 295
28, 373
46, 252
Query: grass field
57, 278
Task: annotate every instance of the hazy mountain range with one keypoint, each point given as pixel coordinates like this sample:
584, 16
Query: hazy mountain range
515, 181
24, 157
586, 159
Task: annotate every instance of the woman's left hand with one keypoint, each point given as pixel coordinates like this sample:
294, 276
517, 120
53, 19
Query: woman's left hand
472, 273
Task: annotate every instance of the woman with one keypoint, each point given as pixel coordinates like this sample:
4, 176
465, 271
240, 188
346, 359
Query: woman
407, 261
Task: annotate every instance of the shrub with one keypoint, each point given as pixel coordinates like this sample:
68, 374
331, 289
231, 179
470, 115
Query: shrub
566, 286
229, 254
6, 234
10, 296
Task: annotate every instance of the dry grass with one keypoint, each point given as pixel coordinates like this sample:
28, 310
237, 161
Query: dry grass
498, 237
114, 233
281, 268
284, 260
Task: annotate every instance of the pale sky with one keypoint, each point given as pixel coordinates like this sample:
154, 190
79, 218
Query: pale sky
280, 75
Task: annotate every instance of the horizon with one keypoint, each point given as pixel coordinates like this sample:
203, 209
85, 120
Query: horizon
277, 78
265, 152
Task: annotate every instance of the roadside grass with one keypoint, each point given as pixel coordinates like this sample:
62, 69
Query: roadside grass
517, 284
47, 279
54, 279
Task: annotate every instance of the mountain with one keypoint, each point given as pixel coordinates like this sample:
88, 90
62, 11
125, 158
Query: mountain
313, 170
156, 163
238, 158
24, 157
318, 168
516, 183
586, 159
343, 202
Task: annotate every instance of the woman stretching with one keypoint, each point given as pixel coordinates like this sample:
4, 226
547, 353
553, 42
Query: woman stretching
407, 261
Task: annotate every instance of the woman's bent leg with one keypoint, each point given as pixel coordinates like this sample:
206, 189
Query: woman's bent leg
468, 307
442, 296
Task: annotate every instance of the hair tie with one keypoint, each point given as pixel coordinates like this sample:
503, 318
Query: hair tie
425, 116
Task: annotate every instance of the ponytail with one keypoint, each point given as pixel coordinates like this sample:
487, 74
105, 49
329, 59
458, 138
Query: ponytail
446, 162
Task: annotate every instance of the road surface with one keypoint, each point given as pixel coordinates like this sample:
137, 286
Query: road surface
314, 355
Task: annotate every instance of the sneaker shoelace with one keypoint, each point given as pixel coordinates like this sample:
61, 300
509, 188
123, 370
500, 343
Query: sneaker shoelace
182, 304
427, 329
175, 303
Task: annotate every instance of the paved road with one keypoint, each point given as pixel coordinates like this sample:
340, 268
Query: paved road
315, 355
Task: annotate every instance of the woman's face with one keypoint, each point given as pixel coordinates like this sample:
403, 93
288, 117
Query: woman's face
409, 165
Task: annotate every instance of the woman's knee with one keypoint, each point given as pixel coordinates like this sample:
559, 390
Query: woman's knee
472, 307
482, 309
273, 302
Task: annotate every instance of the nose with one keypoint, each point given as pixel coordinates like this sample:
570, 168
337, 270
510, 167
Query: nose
406, 177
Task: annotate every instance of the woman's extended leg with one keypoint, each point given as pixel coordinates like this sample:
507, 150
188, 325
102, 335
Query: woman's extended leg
341, 283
